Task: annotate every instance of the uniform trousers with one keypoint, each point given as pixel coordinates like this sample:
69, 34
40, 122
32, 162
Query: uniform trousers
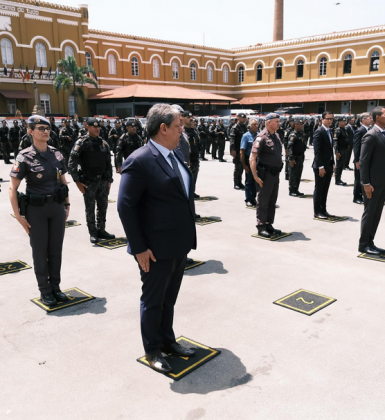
96, 191
160, 288
340, 164
194, 168
221, 148
321, 188
357, 189
6, 148
371, 216
203, 144
238, 169
214, 143
348, 154
208, 144
15, 149
267, 199
295, 173
46, 238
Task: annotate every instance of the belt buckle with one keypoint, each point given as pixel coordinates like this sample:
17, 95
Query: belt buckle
49, 198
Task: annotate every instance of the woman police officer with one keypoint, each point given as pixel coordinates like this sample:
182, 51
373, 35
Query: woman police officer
47, 206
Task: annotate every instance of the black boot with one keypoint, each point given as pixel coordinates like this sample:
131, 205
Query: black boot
262, 231
273, 231
102, 234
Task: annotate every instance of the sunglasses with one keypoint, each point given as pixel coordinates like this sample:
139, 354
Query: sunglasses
42, 129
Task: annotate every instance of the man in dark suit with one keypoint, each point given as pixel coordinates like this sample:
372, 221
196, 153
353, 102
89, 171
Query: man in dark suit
366, 122
156, 207
323, 165
350, 131
372, 169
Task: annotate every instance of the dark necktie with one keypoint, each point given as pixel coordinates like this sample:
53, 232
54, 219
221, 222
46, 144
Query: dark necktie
177, 171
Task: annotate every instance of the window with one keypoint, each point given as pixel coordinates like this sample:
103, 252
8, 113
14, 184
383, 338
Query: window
6, 51
41, 57
259, 72
88, 59
71, 105
225, 74
11, 106
111, 64
348, 64
322, 66
175, 70
155, 68
193, 71
241, 74
134, 66
45, 102
321, 107
278, 71
68, 51
374, 61
300, 68
209, 73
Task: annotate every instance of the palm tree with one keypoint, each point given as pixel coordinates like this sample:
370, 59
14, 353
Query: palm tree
72, 78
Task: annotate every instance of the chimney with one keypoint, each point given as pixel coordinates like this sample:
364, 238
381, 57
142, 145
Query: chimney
278, 21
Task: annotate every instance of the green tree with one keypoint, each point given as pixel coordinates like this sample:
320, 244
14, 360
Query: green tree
72, 79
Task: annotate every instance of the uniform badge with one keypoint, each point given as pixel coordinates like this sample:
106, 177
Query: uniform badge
20, 158
39, 176
36, 162
15, 167
37, 120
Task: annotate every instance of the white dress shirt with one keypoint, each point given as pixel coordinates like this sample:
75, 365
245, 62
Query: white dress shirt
165, 152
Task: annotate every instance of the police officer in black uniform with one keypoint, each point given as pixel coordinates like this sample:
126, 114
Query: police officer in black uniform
47, 206
221, 134
341, 146
296, 148
103, 131
67, 139
54, 127
127, 143
23, 129
83, 130
214, 140
14, 138
94, 179
139, 127
289, 129
115, 134
6, 147
266, 164
203, 135
237, 131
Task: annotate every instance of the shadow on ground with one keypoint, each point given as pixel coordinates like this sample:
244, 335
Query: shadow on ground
95, 306
211, 266
223, 372
295, 236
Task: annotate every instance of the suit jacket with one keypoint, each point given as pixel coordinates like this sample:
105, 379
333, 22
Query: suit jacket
323, 150
358, 134
350, 131
372, 159
154, 210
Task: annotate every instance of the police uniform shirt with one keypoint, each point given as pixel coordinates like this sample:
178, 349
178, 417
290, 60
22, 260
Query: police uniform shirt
269, 148
41, 170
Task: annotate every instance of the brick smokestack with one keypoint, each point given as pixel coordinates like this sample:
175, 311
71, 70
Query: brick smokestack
278, 21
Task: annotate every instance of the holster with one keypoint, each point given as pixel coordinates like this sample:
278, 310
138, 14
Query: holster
22, 202
261, 171
62, 193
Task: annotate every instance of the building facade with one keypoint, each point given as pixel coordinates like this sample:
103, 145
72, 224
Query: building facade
300, 72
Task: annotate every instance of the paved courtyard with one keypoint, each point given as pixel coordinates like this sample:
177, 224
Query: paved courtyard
276, 364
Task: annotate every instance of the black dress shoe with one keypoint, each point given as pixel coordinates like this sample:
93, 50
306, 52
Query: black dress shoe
158, 363
273, 231
237, 187
328, 214
380, 250
320, 216
369, 250
48, 299
196, 196
222, 160
262, 231
204, 159
176, 348
250, 204
299, 193
242, 186
102, 234
358, 201
293, 194
189, 260
93, 238
60, 296
348, 168
341, 183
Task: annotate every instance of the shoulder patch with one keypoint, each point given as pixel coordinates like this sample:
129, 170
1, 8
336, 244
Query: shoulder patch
20, 158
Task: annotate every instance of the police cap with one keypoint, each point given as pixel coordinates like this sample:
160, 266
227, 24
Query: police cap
187, 114
38, 119
130, 124
341, 119
93, 122
271, 116
298, 121
241, 115
15, 121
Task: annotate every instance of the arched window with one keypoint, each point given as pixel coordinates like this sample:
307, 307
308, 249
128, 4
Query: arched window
6, 51
225, 74
134, 66
278, 70
175, 70
300, 68
259, 72
41, 57
45, 102
88, 59
348, 63
155, 68
209, 73
322, 66
111, 64
193, 71
241, 74
375, 61
68, 51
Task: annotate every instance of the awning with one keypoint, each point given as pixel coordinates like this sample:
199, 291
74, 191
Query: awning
319, 97
16, 94
163, 92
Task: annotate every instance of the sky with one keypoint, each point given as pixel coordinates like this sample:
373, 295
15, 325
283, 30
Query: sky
224, 24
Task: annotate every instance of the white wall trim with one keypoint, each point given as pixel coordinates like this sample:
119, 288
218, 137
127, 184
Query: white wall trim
68, 22
194, 55
37, 17
91, 42
111, 44
9, 13
134, 46
41, 9
175, 52
154, 49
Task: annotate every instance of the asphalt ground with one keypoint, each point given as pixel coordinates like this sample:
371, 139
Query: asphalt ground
80, 362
